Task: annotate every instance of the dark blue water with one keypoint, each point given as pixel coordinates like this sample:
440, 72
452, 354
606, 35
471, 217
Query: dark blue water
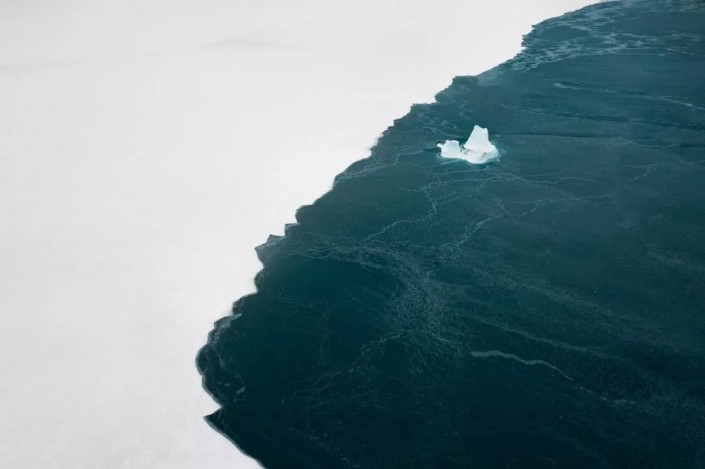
543, 310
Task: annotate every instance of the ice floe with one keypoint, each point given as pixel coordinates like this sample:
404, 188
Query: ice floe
477, 150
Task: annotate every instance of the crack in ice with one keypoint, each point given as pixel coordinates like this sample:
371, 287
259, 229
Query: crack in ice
510, 356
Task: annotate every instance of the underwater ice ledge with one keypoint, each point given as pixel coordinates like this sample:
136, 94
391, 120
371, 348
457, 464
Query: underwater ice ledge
477, 150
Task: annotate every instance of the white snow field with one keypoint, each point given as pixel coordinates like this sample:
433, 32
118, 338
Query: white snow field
134, 186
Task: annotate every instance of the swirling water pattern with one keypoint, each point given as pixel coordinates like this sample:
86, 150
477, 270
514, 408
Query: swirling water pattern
545, 310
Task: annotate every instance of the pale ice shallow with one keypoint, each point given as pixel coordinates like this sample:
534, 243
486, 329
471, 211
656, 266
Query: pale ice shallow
476, 150
133, 190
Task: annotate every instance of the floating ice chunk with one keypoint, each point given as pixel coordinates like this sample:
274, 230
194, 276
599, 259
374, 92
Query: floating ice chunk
477, 150
479, 142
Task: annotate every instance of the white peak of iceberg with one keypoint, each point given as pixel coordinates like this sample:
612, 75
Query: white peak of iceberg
477, 150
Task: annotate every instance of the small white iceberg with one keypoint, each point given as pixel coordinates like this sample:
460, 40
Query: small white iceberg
477, 150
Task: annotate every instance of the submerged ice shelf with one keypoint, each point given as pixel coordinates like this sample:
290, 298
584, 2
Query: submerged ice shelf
477, 150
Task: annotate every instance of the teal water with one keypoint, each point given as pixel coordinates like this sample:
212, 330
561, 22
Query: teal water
543, 310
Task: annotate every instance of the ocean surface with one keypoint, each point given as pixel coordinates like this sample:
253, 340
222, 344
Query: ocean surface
546, 309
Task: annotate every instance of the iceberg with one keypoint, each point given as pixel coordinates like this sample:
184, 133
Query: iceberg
477, 150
